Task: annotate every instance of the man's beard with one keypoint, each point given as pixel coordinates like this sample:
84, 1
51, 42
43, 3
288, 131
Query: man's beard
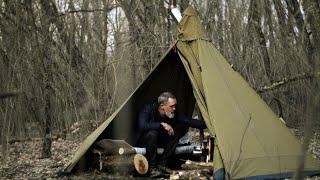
170, 115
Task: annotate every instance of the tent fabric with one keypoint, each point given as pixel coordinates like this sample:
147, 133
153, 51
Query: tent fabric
251, 141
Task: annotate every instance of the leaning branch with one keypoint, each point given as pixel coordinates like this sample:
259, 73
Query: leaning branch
8, 94
88, 11
284, 81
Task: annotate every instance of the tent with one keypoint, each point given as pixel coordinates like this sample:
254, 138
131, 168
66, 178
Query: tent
251, 140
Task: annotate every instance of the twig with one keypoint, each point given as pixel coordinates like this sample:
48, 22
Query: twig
28, 139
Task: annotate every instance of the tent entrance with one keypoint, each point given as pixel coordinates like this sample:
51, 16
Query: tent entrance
168, 75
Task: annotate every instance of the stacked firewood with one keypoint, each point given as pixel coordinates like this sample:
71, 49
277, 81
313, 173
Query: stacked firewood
117, 156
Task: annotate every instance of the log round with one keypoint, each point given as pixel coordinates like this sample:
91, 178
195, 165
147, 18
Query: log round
132, 163
140, 164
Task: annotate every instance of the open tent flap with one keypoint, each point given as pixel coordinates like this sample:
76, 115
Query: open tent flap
168, 75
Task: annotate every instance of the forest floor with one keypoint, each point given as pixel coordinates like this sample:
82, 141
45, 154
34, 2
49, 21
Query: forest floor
24, 162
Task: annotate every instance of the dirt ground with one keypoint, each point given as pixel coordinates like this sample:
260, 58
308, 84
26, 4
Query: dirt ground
24, 162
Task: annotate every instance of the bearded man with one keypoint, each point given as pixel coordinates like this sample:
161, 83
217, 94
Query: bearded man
161, 126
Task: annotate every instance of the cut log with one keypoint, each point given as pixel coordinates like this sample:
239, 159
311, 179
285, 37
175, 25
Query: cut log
210, 149
113, 147
123, 164
117, 156
189, 165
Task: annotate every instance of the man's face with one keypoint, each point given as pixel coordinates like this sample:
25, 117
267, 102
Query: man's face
170, 107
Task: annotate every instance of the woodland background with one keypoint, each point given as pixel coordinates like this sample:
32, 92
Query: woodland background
68, 64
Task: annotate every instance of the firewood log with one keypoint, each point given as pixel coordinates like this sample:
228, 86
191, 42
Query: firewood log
123, 164
113, 147
189, 165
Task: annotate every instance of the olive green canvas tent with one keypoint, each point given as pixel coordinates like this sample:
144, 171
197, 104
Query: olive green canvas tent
251, 140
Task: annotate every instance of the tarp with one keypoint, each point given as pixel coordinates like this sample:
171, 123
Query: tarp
251, 140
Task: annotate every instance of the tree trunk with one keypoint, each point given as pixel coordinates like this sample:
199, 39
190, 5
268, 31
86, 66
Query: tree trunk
255, 21
135, 31
220, 27
288, 36
312, 11
4, 134
47, 76
48, 93
294, 8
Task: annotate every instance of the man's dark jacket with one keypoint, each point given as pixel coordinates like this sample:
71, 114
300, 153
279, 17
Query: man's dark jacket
150, 119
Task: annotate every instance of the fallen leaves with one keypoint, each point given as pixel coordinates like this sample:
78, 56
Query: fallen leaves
24, 162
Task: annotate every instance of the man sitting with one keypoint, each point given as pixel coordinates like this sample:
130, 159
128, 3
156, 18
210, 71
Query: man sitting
161, 126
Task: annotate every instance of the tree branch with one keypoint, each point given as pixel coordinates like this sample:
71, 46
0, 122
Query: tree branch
88, 10
8, 94
284, 81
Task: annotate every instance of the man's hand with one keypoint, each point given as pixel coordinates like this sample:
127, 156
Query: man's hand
168, 128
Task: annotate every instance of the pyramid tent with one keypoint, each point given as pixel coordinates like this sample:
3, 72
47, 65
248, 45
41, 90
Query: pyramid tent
251, 140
